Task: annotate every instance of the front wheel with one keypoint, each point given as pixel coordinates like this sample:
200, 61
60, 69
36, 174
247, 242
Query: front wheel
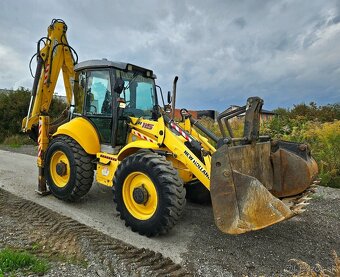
150, 196
68, 169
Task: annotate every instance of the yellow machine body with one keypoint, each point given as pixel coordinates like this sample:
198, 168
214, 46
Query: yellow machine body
254, 182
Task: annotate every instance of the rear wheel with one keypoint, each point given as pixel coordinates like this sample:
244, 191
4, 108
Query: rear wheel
68, 169
150, 196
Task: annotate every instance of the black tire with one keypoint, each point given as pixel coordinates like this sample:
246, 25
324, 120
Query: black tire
169, 187
197, 193
81, 169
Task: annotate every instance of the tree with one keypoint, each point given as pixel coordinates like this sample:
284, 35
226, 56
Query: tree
14, 107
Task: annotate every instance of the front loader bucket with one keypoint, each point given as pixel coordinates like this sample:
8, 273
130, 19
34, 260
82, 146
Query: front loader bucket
257, 185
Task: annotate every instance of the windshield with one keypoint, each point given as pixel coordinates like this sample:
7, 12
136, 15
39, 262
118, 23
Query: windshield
138, 94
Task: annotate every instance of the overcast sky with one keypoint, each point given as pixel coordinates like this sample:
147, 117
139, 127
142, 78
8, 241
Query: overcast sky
286, 52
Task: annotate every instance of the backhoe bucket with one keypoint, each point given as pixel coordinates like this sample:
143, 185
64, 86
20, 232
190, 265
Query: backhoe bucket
260, 184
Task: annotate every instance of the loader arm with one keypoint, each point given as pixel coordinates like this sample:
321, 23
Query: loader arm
55, 55
200, 169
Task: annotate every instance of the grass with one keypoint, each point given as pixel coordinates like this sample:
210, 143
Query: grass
15, 141
12, 260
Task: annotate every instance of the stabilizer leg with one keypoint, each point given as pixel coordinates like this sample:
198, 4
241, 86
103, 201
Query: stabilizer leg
43, 141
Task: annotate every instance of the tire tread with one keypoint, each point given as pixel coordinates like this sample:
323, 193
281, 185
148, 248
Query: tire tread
172, 188
84, 169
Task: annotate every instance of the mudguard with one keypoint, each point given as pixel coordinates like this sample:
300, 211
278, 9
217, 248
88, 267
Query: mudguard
82, 131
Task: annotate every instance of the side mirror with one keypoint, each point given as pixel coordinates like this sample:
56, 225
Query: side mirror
119, 85
169, 97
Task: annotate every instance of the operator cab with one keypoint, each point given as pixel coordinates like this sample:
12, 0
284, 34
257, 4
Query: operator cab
106, 93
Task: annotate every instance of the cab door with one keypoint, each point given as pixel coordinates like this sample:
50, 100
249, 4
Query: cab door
98, 102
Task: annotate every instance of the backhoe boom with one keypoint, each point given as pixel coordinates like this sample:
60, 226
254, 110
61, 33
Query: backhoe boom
54, 56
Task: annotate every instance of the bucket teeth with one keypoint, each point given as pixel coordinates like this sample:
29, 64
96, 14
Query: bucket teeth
311, 190
302, 199
299, 211
298, 204
303, 204
299, 208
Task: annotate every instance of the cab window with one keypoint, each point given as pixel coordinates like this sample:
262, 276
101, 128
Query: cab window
98, 93
138, 94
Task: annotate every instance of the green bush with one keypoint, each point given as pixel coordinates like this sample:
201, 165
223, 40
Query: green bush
324, 140
322, 137
17, 140
14, 107
311, 112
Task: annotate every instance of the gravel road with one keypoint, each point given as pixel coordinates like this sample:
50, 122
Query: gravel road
195, 242
28, 225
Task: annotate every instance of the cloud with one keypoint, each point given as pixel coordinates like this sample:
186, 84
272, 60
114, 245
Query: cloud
223, 52
10, 66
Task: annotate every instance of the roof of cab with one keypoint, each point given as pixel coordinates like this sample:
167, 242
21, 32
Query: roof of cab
99, 63
106, 63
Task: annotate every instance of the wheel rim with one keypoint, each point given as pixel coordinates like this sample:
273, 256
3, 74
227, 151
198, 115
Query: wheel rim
139, 181
60, 177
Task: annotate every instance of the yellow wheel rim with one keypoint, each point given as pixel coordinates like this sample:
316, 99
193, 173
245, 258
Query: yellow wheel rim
138, 180
60, 179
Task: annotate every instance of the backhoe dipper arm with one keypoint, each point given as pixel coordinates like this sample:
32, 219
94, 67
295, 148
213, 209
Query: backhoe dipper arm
56, 55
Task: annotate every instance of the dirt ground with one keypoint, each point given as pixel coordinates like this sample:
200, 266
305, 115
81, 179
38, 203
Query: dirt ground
310, 237
85, 251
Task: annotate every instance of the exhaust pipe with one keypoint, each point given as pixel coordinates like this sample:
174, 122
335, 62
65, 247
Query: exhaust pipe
173, 102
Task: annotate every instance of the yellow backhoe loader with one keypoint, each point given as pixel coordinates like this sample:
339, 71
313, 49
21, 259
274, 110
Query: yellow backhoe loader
116, 129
